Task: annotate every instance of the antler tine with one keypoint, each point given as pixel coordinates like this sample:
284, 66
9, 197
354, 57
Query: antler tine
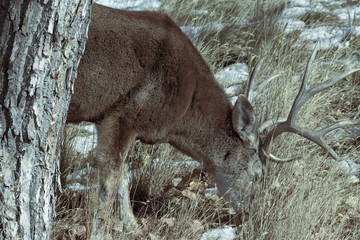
262, 85
275, 158
303, 94
289, 124
270, 122
252, 91
348, 123
331, 82
314, 136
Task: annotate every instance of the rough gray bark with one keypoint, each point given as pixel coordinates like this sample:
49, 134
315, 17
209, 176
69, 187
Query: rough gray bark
41, 43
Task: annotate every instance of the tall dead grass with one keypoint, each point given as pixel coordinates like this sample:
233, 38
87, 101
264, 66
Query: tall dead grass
305, 199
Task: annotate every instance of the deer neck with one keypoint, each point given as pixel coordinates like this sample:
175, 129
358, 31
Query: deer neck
205, 132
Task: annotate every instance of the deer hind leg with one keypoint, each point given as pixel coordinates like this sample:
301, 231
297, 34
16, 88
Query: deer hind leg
114, 140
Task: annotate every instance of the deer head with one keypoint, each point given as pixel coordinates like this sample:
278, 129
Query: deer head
240, 165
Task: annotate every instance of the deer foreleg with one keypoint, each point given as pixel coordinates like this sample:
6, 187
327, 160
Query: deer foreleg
114, 140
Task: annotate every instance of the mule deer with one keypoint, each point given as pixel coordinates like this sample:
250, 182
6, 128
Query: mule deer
142, 78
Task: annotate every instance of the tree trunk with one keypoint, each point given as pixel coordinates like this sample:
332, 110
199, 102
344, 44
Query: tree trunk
41, 43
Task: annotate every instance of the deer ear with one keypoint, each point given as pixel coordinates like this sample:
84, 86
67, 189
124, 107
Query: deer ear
244, 121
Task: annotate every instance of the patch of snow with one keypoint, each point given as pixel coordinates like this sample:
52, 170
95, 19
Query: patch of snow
339, 2
299, 3
193, 32
356, 31
314, 3
190, 163
350, 168
289, 25
80, 174
327, 38
84, 145
354, 179
79, 187
319, 8
245, 22
233, 90
294, 12
348, 13
90, 128
288, 20
199, 12
233, 100
227, 233
209, 192
237, 73
134, 5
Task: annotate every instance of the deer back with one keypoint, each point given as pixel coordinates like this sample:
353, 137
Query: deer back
142, 63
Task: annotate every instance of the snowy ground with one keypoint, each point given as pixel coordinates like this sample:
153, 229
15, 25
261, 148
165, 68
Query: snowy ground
136, 5
234, 76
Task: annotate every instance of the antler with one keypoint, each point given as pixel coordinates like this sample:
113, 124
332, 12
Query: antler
289, 124
252, 93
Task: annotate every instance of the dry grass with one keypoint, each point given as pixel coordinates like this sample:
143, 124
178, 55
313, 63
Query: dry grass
304, 199
247, 25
